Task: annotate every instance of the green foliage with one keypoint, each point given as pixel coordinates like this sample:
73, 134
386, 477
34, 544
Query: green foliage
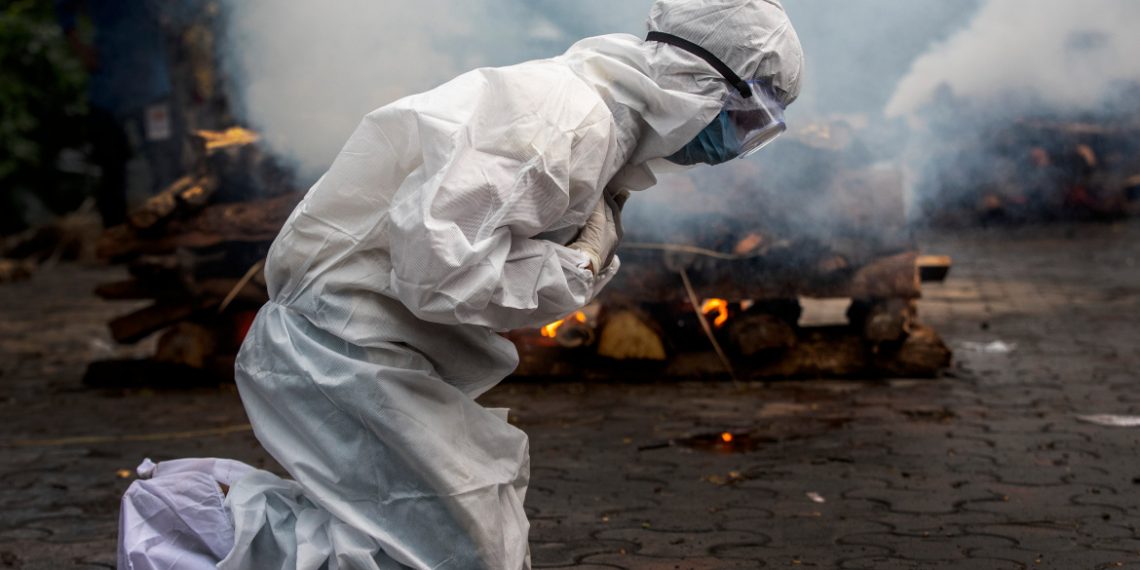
41, 100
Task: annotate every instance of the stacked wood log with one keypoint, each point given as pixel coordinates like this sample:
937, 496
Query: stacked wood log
1031, 170
195, 252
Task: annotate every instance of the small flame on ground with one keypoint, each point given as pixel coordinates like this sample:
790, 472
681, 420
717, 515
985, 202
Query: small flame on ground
721, 308
726, 437
551, 330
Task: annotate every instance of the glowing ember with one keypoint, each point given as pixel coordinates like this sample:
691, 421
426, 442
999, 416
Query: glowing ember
726, 437
232, 136
551, 330
720, 306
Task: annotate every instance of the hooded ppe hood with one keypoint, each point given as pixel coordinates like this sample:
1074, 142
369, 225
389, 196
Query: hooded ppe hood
662, 96
658, 99
754, 38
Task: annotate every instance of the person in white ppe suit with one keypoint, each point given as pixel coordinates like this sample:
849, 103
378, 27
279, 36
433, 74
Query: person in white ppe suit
489, 203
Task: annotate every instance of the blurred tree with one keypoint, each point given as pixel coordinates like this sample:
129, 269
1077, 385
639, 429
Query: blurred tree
42, 107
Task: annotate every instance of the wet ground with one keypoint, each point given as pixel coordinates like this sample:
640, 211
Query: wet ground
988, 467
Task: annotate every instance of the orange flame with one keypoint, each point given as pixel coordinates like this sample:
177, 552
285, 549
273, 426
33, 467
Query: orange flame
551, 330
721, 308
726, 437
233, 136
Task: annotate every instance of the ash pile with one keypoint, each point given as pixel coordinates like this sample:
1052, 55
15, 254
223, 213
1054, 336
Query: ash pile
800, 265
194, 253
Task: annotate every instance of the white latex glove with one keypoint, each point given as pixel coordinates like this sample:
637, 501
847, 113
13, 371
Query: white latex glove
599, 238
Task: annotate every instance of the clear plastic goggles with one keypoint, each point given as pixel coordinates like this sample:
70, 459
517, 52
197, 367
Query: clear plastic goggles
758, 119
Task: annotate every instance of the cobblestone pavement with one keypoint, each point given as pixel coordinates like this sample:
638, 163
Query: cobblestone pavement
986, 468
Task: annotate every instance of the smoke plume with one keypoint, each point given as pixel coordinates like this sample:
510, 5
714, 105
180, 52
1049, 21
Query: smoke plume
304, 73
1019, 53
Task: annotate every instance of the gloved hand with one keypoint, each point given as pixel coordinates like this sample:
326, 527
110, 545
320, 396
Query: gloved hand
602, 233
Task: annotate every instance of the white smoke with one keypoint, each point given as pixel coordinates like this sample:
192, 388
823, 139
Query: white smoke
303, 73
1056, 53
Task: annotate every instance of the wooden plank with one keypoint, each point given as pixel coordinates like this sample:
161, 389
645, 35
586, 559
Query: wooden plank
650, 277
253, 221
894, 276
133, 327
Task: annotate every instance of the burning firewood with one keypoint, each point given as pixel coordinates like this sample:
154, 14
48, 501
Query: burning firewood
233, 136
572, 332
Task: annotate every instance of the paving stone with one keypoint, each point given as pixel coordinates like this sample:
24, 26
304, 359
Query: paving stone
584, 567
899, 563
985, 468
1041, 504
1039, 539
926, 501
679, 544
931, 548
559, 554
638, 562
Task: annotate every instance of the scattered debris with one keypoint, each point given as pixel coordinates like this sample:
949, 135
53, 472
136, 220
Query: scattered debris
995, 347
816, 497
721, 480
1110, 420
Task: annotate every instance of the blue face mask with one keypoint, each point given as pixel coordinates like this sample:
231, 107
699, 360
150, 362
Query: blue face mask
716, 144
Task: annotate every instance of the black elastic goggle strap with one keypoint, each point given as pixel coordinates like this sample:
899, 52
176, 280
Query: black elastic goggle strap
726, 71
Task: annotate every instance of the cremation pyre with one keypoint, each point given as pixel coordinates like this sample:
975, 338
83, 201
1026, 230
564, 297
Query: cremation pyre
747, 250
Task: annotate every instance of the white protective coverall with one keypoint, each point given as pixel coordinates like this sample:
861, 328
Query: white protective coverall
443, 220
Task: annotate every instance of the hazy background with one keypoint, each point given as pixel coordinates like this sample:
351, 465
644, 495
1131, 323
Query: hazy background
303, 73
